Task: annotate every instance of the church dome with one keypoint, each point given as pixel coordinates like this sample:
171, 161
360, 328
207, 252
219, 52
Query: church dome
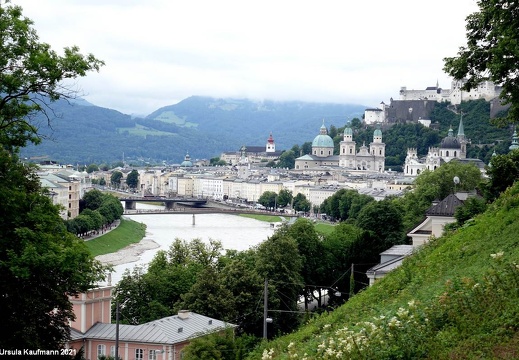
323, 139
377, 133
187, 161
348, 131
450, 142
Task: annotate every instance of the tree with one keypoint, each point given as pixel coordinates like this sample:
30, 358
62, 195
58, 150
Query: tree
437, 185
216, 161
284, 276
383, 219
132, 179
491, 51
31, 76
91, 168
287, 160
93, 199
40, 261
284, 197
306, 148
471, 207
268, 199
115, 178
301, 203
311, 250
502, 171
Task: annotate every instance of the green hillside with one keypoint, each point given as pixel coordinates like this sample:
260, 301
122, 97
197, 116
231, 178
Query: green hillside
455, 298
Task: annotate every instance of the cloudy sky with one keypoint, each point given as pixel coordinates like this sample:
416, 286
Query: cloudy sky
159, 52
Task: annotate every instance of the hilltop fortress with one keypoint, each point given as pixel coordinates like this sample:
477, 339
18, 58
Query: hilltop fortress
416, 105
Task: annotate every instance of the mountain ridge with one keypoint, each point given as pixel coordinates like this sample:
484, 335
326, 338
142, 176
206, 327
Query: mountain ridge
86, 133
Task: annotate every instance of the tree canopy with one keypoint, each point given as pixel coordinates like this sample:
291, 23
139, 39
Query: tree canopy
491, 51
40, 261
31, 76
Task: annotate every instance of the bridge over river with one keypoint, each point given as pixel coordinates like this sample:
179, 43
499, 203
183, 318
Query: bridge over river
188, 205
169, 203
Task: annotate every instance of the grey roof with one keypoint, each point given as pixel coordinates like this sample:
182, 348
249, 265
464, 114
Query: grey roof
168, 330
446, 207
398, 250
386, 266
317, 158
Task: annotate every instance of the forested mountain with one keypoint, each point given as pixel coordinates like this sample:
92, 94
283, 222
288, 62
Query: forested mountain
202, 126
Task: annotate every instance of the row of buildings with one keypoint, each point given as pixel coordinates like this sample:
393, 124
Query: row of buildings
317, 175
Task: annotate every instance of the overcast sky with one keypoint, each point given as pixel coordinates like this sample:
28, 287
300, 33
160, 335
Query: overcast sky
159, 52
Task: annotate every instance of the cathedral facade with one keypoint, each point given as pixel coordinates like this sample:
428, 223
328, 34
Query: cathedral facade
370, 158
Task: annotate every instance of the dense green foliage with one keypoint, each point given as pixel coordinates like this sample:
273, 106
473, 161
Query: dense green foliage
30, 77
132, 180
502, 171
457, 297
491, 51
97, 211
41, 263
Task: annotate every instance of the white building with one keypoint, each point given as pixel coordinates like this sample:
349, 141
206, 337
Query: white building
486, 90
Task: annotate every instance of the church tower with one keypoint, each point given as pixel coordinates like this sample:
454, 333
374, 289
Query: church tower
271, 146
462, 139
378, 150
347, 150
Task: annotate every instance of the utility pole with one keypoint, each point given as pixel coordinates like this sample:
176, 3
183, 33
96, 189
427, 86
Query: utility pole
352, 283
117, 330
265, 309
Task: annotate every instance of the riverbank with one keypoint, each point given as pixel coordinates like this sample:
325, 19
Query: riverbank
127, 232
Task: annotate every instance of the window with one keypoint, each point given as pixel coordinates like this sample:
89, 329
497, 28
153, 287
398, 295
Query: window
139, 354
101, 350
152, 355
112, 351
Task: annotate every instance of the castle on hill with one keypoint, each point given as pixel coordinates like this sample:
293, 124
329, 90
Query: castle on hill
416, 105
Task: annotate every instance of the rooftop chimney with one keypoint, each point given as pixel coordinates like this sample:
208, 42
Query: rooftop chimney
184, 314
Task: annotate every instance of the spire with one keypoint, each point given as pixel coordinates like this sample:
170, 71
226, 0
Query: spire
461, 130
323, 130
451, 132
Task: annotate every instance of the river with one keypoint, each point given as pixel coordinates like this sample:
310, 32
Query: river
233, 231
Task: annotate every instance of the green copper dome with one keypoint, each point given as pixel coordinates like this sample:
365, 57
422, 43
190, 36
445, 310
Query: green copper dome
323, 139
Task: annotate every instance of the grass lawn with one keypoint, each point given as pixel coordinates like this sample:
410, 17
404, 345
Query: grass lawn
128, 232
323, 228
267, 218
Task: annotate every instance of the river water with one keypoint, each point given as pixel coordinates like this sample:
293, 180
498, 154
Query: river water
233, 231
